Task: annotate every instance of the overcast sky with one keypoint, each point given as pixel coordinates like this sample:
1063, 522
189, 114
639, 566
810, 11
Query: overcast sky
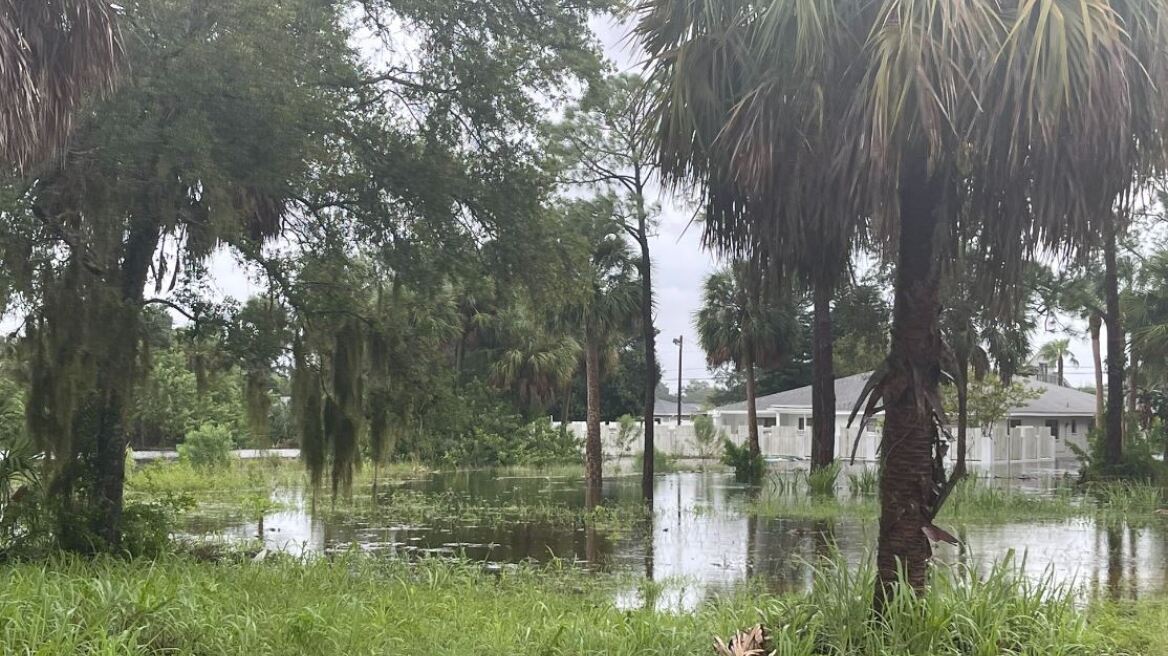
679, 265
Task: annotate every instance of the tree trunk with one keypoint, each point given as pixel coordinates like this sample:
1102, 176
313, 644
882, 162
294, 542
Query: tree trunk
115, 380
109, 459
1061, 380
1133, 380
962, 414
823, 381
592, 449
1095, 323
649, 337
908, 480
1113, 436
751, 408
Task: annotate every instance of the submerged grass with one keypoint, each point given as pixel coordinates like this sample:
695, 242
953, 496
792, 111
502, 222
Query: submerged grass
247, 489
361, 605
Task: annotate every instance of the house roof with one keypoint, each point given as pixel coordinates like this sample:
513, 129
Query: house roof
663, 408
1055, 399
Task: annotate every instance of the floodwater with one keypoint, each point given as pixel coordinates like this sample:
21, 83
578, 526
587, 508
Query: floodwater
700, 542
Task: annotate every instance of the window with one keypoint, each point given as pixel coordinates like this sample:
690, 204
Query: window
802, 423
1074, 426
1053, 425
1015, 423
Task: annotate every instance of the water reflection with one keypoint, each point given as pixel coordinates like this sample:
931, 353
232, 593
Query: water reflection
699, 542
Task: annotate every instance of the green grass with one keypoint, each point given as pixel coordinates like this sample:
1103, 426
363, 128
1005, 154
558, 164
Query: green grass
360, 605
1001, 612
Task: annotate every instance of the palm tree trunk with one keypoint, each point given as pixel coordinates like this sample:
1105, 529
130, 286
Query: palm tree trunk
1133, 384
908, 481
649, 337
1113, 436
962, 414
1061, 380
823, 381
1095, 323
592, 448
566, 408
751, 408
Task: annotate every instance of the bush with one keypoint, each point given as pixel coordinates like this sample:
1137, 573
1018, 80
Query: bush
747, 467
208, 446
628, 432
537, 443
147, 525
663, 463
706, 436
1137, 464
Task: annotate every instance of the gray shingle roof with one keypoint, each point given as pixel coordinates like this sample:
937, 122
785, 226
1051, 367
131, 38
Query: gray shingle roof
663, 408
1055, 399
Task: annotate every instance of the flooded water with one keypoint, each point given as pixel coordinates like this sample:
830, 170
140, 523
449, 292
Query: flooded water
701, 542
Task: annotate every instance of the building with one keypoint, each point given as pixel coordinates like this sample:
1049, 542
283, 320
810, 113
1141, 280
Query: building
666, 411
1040, 430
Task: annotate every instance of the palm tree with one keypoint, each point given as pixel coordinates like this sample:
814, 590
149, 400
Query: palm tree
1146, 310
606, 311
534, 362
928, 111
604, 139
1058, 351
54, 53
1082, 293
739, 323
961, 325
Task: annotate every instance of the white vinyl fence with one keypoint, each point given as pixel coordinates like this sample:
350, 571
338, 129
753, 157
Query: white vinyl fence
999, 445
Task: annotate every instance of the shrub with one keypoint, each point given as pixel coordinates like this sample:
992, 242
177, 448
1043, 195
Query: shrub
747, 467
537, 443
1138, 463
663, 463
208, 446
706, 437
628, 431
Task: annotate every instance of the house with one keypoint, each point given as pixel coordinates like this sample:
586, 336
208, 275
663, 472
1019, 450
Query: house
666, 411
1040, 430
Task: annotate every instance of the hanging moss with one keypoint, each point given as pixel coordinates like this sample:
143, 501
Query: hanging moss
258, 405
344, 411
307, 410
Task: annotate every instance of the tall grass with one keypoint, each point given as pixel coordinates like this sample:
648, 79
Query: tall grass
361, 605
821, 482
1001, 612
864, 484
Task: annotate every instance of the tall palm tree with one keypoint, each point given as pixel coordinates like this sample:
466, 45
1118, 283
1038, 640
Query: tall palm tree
1034, 126
534, 362
54, 52
604, 139
961, 326
1058, 351
606, 311
1082, 294
1146, 310
739, 323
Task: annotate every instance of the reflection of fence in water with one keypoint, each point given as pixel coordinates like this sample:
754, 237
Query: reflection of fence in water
1018, 444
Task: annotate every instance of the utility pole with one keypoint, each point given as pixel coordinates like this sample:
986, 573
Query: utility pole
679, 341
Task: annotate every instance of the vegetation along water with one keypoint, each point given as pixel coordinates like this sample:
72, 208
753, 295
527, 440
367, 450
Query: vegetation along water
592, 327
